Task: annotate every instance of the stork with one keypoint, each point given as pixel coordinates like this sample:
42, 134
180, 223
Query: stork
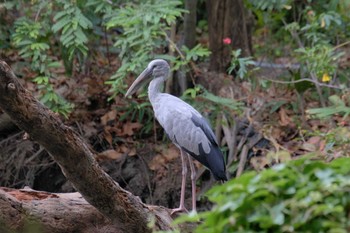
185, 127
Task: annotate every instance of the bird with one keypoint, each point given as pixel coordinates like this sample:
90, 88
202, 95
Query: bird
185, 127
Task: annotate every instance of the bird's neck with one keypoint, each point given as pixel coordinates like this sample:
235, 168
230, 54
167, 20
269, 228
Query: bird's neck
154, 88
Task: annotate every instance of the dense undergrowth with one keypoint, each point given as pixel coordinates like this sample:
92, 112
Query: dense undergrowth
304, 195
302, 109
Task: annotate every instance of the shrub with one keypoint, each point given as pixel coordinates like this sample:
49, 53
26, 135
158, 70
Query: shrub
300, 196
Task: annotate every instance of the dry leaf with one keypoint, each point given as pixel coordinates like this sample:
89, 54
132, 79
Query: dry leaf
157, 162
314, 140
130, 127
127, 150
110, 154
108, 136
109, 116
89, 129
309, 147
171, 153
283, 156
259, 163
132, 152
284, 118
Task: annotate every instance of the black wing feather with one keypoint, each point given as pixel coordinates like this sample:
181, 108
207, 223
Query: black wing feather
214, 160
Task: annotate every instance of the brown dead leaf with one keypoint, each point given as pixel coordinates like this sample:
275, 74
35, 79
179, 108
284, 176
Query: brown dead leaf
314, 140
313, 144
284, 118
89, 129
283, 156
130, 127
171, 153
259, 163
110, 154
157, 162
165, 155
127, 150
109, 116
309, 147
108, 136
132, 152
322, 145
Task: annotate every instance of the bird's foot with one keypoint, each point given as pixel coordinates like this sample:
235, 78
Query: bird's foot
180, 209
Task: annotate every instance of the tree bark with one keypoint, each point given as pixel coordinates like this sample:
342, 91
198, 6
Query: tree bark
220, 18
75, 158
226, 19
190, 22
51, 212
242, 29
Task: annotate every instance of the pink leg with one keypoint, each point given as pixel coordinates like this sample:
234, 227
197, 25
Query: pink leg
193, 181
183, 185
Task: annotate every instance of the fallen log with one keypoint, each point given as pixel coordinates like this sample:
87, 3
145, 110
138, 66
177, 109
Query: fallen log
54, 212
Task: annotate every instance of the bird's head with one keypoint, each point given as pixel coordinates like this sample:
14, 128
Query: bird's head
157, 68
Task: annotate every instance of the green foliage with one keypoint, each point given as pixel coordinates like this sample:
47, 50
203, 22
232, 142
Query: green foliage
315, 33
239, 62
141, 112
193, 54
338, 107
100, 6
144, 28
4, 29
337, 140
201, 94
72, 23
299, 196
320, 59
207, 102
30, 39
271, 5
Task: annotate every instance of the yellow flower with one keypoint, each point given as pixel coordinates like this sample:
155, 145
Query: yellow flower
326, 78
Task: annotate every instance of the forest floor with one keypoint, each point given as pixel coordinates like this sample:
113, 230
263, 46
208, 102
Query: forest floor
146, 163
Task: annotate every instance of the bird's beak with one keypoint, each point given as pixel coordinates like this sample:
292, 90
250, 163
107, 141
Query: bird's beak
143, 78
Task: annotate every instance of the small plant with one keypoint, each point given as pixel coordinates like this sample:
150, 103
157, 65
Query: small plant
29, 38
143, 27
72, 24
299, 196
239, 64
187, 56
338, 107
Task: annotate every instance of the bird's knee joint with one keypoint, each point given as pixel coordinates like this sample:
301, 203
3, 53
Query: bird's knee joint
184, 171
193, 175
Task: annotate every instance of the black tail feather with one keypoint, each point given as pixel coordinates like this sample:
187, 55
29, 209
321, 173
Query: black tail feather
214, 161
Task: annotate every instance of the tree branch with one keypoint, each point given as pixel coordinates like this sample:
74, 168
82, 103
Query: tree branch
75, 158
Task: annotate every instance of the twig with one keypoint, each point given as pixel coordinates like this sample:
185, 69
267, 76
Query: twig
182, 56
242, 161
107, 45
303, 80
230, 135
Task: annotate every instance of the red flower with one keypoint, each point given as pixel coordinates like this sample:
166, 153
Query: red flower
227, 40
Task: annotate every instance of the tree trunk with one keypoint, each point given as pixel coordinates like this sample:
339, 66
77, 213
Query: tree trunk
242, 26
190, 22
227, 30
75, 158
220, 18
